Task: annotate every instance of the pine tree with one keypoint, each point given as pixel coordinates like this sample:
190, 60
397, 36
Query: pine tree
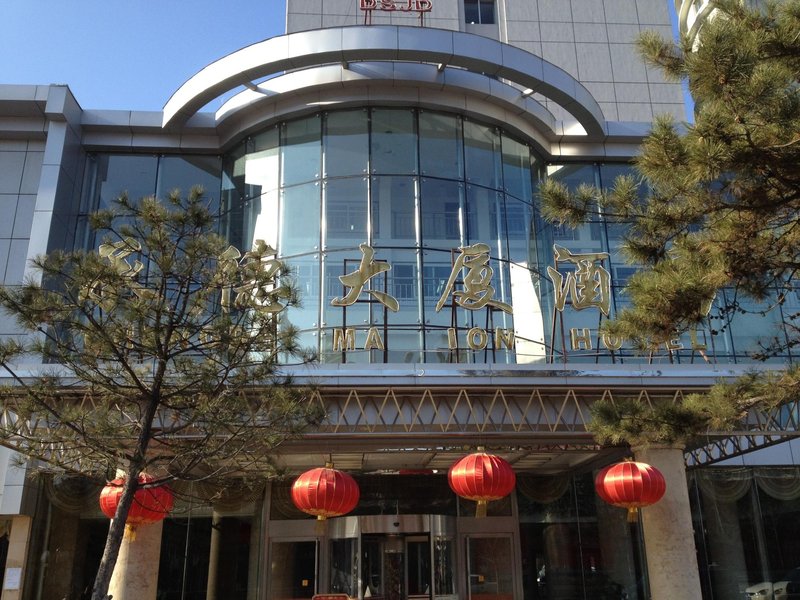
716, 203
159, 354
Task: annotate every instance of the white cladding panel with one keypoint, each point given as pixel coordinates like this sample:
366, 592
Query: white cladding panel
592, 40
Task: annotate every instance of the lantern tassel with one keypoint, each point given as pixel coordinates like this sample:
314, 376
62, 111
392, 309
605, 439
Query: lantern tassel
480, 509
130, 532
321, 526
633, 514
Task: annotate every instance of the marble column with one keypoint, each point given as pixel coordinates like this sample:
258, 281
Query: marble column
213, 556
668, 530
135, 575
18, 541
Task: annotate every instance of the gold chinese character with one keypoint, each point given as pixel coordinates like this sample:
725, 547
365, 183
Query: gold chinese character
116, 254
259, 269
589, 285
228, 268
477, 290
358, 278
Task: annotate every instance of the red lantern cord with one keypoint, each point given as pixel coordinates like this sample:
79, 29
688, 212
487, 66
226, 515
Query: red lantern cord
630, 485
151, 503
481, 477
325, 492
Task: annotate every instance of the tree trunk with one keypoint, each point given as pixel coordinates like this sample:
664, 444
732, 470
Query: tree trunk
115, 533
117, 529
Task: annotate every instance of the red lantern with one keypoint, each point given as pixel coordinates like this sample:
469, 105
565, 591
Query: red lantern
598, 484
630, 485
325, 492
150, 504
481, 477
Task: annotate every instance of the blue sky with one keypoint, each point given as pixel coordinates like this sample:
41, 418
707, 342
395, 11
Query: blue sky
126, 55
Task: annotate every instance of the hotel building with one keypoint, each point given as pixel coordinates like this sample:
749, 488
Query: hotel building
404, 140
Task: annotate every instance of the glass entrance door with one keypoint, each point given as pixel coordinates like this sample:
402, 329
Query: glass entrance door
489, 561
418, 574
391, 557
396, 567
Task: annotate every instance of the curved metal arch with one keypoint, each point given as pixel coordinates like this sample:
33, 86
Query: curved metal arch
333, 81
385, 43
691, 16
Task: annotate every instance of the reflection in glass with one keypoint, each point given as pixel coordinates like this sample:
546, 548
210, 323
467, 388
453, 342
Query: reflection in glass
516, 228
292, 570
346, 143
573, 544
752, 327
344, 567
304, 271
482, 154
116, 174
441, 213
419, 567
394, 141
184, 172
301, 150
299, 208
372, 575
403, 285
440, 145
273, 191
394, 211
484, 220
749, 516
490, 567
517, 178
261, 170
443, 566
346, 212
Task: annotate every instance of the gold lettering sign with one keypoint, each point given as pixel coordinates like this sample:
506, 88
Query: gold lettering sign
477, 338
358, 278
503, 337
344, 339
612, 342
580, 338
397, 5
589, 285
476, 290
469, 285
374, 340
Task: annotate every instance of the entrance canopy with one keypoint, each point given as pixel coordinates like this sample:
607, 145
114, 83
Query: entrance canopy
347, 45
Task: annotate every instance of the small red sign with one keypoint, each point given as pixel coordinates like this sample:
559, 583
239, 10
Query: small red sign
401, 5
330, 597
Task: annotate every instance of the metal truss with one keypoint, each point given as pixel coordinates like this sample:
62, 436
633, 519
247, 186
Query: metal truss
761, 429
536, 428
560, 414
407, 426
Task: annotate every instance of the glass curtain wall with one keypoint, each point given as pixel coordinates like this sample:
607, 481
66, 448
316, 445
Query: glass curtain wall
751, 520
371, 208
574, 545
108, 176
412, 188
737, 328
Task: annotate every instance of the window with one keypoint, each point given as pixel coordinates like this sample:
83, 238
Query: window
479, 12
